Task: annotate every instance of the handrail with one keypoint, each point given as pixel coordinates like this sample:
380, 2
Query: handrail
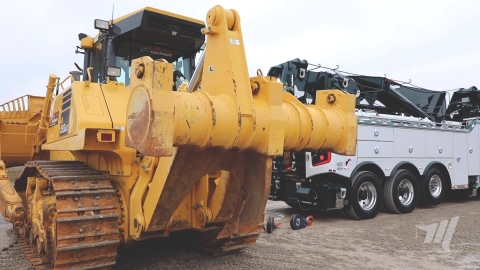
386, 120
68, 77
30, 134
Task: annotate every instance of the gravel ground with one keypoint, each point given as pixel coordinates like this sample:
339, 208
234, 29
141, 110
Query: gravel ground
11, 257
333, 242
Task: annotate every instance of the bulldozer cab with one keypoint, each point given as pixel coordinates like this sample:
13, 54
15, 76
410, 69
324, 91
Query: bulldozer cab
146, 32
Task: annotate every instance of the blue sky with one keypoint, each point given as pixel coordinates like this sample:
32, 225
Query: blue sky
433, 43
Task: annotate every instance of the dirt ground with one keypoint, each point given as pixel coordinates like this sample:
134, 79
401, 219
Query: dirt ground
333, 242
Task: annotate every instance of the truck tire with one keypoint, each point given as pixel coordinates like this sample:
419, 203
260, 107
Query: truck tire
432, 187
401, 192
364, 197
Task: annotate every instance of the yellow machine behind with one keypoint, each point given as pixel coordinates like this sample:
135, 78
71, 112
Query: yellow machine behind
107, 162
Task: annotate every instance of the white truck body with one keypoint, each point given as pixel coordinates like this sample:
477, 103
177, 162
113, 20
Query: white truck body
389, 143
399, 162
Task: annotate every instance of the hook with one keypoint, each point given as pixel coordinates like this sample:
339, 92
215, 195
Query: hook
336, 67
385, 75
409, 81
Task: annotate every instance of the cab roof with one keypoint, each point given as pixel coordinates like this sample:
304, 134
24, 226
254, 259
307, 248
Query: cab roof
158, 11
157, 33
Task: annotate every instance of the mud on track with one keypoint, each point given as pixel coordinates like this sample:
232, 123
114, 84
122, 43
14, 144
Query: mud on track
333, 242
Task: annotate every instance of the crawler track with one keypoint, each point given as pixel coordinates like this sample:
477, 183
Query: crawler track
83, 227
32, 256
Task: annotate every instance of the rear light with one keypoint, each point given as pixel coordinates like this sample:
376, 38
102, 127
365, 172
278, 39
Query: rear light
106, 135
321, 157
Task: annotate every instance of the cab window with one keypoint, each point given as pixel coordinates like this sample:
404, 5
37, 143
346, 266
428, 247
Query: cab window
124, 65
180, 64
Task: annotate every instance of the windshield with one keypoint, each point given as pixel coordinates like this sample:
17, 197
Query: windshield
181, 64
123, 64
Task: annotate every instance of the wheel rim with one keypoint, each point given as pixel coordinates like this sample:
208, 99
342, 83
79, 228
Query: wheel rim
435, 185
367, 196
405, 192
297, 222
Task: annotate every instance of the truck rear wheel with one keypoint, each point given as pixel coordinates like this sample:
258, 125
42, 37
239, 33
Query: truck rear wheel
401, 192
364, 198
432, 187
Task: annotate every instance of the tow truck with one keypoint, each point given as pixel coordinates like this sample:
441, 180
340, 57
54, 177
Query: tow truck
411, 147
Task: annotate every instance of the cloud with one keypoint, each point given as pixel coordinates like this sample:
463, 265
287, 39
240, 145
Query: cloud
434, 43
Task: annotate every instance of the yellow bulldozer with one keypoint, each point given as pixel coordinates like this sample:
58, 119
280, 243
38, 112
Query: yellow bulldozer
147, 143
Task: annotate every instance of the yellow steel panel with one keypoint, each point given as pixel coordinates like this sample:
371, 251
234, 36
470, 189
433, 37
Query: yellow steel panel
86, 43
92, 105
11, 207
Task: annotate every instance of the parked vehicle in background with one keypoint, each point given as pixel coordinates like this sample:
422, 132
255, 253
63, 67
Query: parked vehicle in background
411, 147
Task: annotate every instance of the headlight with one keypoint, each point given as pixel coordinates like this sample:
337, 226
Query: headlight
101, 25
114, 71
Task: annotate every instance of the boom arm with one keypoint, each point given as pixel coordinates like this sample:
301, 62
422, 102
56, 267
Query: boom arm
395, 97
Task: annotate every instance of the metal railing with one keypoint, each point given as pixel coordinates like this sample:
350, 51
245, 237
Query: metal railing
17, 108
